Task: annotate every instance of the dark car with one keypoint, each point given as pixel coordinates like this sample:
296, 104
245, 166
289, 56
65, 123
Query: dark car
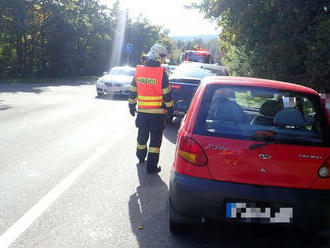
252, 151
185, 80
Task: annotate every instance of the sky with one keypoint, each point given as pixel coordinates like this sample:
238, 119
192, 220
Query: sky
170, 14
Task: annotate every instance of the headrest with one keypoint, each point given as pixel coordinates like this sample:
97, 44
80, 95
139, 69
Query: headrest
289, 117
270, 108
230, 111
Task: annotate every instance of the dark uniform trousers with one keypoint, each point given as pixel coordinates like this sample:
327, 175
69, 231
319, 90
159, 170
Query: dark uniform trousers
149, 125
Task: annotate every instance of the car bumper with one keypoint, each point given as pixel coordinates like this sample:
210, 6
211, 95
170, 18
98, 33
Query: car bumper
123, 90
192, 199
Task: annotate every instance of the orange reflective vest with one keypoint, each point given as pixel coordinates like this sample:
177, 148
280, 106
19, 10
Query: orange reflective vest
149, 87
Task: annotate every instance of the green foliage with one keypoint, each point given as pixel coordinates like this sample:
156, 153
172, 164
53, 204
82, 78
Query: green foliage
67, 37
282, 40
210, 45
142, 35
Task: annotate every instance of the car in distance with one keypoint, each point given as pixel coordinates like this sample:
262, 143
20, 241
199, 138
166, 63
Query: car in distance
185, 80
117, 81
252, 151
168, 68
172, 68
201, 55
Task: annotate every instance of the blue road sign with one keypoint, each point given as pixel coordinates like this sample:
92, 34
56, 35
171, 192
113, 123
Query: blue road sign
129, 48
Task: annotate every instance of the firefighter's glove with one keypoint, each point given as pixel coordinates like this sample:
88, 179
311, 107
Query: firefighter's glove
169, 115
132, 111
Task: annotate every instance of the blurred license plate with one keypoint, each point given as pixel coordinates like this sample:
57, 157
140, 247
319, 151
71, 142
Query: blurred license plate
114, 88
252, 213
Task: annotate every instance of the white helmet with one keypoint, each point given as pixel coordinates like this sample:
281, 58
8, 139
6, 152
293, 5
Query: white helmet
157, 52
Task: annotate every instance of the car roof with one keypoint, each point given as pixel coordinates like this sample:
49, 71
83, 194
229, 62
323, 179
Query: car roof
124, 67
257, 82
202, 52
203, 65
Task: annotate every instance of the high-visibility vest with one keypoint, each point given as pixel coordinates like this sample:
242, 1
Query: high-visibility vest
149, 87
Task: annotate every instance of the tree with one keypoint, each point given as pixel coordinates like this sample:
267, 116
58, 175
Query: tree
283, 40
68, 37
53, 37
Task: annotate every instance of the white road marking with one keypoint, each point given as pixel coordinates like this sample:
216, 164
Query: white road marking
21, 225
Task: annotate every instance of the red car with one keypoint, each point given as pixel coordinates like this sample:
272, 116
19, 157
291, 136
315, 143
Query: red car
253, 151
201, 56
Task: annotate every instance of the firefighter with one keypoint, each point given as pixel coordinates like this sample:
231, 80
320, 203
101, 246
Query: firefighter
150, 90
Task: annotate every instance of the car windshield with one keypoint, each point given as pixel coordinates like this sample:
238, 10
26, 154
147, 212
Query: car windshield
122, 71
264, 114
195, 71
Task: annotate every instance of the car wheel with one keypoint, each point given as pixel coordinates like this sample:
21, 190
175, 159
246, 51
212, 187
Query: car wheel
177, 223
177, 228
312, 237
99, 94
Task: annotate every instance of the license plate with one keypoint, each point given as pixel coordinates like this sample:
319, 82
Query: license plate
252, 213
114, 88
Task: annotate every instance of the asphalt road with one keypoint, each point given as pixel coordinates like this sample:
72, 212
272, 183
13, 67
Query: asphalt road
69, 177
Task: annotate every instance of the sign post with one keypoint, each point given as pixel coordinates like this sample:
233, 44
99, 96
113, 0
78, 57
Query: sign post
129, 48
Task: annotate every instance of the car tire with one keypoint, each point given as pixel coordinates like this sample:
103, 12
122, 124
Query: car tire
99, 94
312, 237
177, 224
177, 228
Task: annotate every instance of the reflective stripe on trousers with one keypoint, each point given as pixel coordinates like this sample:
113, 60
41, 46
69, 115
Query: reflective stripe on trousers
154, 147
141, 147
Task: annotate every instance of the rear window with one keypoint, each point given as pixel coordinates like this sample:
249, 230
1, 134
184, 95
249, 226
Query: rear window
254, 113
194, 71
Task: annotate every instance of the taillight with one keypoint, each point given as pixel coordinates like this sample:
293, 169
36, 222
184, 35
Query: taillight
324, 169
176, 86
191, 151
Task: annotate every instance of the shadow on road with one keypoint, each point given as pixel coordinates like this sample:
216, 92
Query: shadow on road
38, 88
4, 106
148, 212
113, 98
249, 236
147, 209
171, 131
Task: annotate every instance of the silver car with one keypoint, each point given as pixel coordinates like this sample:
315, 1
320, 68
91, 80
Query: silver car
116, 81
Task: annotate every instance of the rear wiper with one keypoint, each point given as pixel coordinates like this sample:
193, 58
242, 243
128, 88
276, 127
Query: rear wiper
265, 144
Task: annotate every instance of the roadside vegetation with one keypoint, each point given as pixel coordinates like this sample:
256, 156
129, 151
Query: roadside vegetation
283, 40
60, 38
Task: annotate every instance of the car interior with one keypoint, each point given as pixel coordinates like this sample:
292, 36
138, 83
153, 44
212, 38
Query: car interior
286, 115
267, 112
